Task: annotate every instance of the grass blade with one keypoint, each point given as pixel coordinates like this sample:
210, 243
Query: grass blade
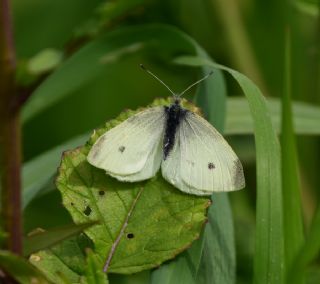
305, 117
292, 217
308, 252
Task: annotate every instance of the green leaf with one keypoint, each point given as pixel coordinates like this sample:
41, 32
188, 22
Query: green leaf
20, 269
142, 224
65, 262
44, 61
44, 239
292, 211
269, 254
93, 271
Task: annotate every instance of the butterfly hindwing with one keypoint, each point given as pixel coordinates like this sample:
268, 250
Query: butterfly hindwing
131, 151
207, 161
171, 171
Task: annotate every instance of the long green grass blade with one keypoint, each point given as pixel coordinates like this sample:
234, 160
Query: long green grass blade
268, 262
292, 217
308, 252
305, 117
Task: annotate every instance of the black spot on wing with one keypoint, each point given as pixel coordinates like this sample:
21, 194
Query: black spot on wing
211, 166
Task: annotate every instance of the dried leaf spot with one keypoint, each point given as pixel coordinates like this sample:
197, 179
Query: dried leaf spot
87, 211
101, 192
130, 236
211, 166
122, 148
35, 257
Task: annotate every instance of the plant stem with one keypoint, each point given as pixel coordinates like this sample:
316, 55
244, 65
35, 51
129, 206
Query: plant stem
10, 143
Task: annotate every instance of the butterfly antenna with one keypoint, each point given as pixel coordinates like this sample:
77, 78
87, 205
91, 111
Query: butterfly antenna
192, 85
154, 76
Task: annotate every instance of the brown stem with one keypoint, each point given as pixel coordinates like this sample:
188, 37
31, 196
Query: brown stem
10, 143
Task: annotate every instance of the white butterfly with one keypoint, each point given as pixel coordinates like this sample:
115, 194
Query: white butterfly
192, 154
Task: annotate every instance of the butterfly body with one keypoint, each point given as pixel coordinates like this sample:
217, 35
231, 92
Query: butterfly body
174, 114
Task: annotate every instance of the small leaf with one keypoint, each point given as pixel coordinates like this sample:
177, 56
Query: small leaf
142, 224
45, 239
44, 61
65, 262
20, 269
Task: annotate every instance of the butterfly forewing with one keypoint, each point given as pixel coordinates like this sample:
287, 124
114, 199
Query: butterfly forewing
207, 161
150, 168
132, 147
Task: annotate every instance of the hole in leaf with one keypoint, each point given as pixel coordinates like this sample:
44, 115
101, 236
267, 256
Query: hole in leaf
101, 192
87, 211
130, 236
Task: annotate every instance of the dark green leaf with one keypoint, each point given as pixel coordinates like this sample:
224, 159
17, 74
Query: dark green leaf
44, 239
63, 263
20, 269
